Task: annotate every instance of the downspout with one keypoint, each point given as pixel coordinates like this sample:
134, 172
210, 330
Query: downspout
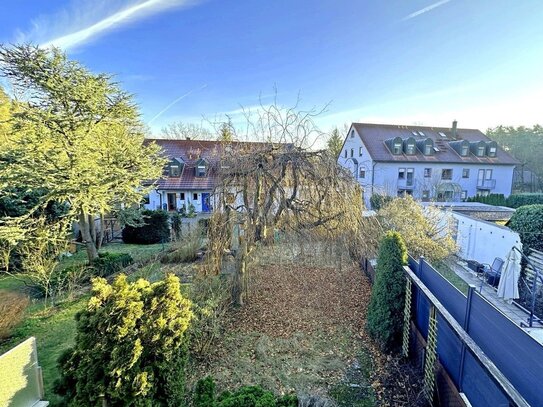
372, 176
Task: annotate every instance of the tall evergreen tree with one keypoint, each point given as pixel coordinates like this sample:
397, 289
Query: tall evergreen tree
385, 311
334, 143
76, 135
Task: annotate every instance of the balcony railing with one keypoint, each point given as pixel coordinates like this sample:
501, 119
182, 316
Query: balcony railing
486, 184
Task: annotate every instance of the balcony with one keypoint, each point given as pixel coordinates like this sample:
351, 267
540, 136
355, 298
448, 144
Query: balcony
487, 184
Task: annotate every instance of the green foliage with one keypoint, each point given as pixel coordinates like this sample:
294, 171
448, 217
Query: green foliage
385, 311
527, 221
183, 211
334, 143
524, 143
204, 393
491, 199
512, 201
109, 263
130, 346
518, 200
175, 219
246, 396
378, 201
155, 230
425, 230
76, 134
192, 211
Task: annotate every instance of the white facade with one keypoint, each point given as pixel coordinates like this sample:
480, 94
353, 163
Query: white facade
424, 180
483, 241
159, 199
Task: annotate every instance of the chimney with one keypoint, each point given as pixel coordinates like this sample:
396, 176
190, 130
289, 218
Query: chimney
453, 130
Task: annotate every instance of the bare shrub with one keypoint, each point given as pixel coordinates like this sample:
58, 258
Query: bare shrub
12, 309
186, 249
210, 296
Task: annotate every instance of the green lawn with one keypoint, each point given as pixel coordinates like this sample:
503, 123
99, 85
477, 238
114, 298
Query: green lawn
139, 252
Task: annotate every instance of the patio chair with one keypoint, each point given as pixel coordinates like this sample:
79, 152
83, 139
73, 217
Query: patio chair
492, 273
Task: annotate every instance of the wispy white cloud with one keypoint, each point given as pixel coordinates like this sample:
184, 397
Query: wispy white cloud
425, 9
170, 105
86, 20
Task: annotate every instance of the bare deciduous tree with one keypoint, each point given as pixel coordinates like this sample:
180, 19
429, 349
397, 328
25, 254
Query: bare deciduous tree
279, 184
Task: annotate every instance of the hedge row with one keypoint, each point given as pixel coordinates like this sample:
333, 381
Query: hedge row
512, 201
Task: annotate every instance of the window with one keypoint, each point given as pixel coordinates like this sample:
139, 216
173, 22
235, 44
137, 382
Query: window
464, 195
428, 149
410, 148
360, 151
345, 153
195, 196
492, 151
362, 172
410, 173
352, 152
465, 173
352, 133
426, 194
446, 174
465, 150
488, 174
175, 170
481, 151
397, 149
146, 200
182, 196
401, 173
427, 172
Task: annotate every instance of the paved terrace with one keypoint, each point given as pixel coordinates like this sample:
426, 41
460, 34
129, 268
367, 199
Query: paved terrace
514, 312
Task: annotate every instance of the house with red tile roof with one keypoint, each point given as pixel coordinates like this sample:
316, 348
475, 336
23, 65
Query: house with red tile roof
190, 176
429, 163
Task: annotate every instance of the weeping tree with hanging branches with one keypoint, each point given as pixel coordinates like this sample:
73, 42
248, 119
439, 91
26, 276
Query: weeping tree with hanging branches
75, 135
279, 183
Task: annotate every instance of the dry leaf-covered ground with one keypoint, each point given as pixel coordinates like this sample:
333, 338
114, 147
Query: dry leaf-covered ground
301, 331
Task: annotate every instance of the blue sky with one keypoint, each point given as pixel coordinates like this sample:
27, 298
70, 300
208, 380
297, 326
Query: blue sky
393, 61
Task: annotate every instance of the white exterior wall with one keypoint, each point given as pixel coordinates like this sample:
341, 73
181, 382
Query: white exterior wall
155, 199
483, 241
386, 177
360, 160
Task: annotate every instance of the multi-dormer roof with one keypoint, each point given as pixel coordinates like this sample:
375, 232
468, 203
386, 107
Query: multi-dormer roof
192, 164
386, 142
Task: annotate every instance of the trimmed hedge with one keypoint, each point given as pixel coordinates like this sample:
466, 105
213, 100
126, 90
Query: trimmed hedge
385, 312
527, 221
155, 230
512, 201
518, 200
492, 199
108, 263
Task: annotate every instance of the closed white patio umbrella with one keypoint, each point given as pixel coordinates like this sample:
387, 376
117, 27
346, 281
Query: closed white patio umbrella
508, 286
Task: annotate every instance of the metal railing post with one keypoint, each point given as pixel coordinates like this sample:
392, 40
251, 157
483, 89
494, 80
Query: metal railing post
471, 290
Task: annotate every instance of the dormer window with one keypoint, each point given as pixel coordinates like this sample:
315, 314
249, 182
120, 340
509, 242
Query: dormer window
201, 168
410, 146
175, 167
397, 146
426, 146
464, 151
492, 149
481, 151
175, 170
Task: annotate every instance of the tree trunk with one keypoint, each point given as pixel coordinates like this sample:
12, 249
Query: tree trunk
92, 252
239, 286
